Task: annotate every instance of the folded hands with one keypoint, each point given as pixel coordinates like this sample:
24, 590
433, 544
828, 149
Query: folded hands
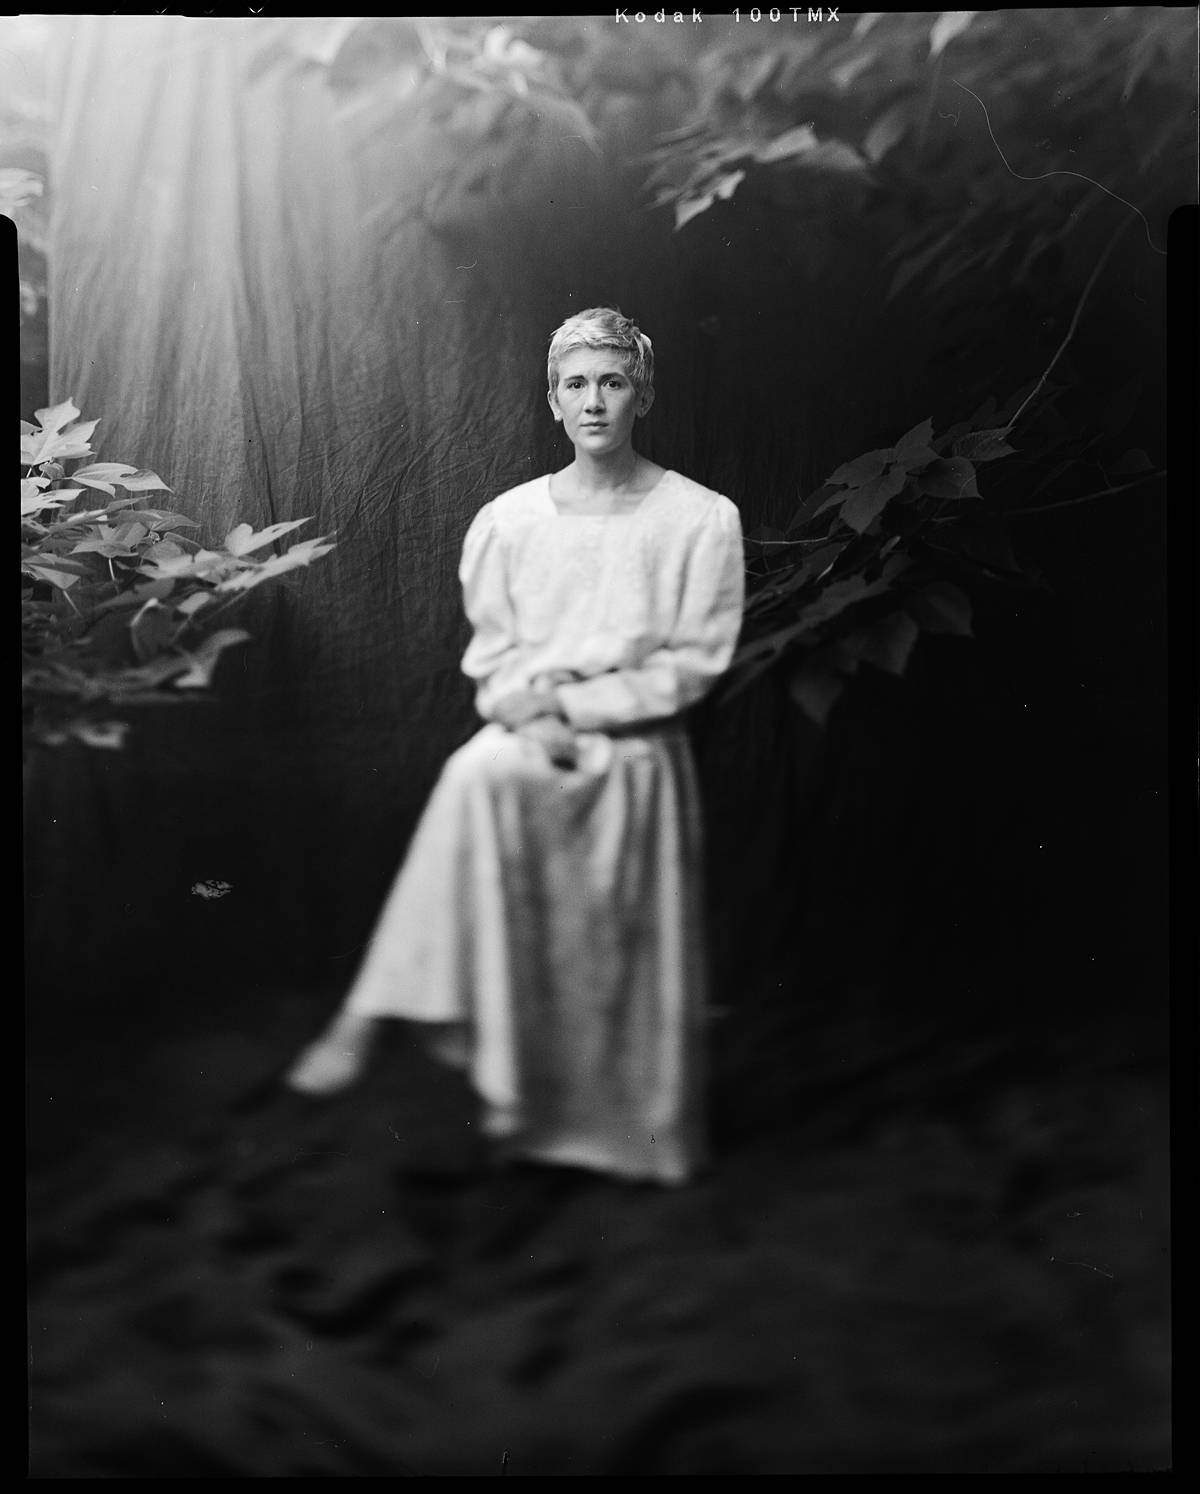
536, 714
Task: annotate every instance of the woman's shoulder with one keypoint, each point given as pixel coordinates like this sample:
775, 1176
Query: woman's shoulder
499, 513
704, 504
526, 497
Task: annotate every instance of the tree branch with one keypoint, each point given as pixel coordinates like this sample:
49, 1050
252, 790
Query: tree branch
1041, 508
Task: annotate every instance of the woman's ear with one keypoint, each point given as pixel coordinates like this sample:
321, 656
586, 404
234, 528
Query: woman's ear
552, 400
645, 400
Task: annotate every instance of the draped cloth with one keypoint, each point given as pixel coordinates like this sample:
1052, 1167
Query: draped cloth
553, 914
292, 307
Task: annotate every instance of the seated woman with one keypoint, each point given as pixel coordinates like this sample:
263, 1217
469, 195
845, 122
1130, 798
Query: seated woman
547, 919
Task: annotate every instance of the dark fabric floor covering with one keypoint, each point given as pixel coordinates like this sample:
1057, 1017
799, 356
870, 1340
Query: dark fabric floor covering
919, 1248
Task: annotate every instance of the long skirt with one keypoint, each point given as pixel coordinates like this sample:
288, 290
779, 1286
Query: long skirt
553, 917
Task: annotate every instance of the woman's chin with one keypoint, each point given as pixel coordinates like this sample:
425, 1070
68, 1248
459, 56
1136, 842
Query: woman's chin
597, 442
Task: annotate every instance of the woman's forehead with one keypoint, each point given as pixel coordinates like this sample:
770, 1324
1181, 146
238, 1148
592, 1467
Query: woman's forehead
592, 361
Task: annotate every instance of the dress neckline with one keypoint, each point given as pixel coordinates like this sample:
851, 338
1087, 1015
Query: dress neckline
559, 513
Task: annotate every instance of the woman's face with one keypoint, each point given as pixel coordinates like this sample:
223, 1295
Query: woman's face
596, 401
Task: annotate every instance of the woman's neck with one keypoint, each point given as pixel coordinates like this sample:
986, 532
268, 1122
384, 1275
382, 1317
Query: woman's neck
614, 491
610, 475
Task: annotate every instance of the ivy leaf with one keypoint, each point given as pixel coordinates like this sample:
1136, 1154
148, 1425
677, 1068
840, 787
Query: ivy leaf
60, 573
158, 520
300, 554
53, 445
112, 541
867, 502
814, 504
815, 565
727, 184
983, 446
33, 498
861, 469
688, 208
915, 459
102, 475
834, 600
142, 481
203, 659
846, 72
106, 734
151, 629
949, 477
919, 438
949, 24
54, 417
193, 603
137, 595
887, 131
1135, 460
834, 155
242, 539
916, 263
815, 692
941, 607
887, 643
794, 142
206, 565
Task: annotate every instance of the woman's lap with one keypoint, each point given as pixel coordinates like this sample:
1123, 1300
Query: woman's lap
552, 911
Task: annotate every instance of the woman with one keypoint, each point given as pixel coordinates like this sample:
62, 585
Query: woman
546, 922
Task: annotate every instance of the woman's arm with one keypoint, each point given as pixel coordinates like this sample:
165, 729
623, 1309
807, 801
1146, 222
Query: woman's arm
700, 647
505, 691
493, 658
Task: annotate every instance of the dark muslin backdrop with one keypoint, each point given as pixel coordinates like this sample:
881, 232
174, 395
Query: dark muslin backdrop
289, 314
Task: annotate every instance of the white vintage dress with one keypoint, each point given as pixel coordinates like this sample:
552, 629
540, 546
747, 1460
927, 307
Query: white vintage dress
553, 913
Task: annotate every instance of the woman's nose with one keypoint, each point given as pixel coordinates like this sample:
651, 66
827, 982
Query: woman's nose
594, 400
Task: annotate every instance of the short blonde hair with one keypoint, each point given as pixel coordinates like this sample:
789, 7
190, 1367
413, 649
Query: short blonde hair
604, 327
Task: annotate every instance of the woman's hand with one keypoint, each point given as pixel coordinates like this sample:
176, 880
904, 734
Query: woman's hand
520, 706
554, 736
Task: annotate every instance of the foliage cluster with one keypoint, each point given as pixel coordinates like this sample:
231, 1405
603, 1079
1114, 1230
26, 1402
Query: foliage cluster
119, 605
894, 544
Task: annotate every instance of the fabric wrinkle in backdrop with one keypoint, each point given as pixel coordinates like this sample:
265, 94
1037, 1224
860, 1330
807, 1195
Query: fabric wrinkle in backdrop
249, 292
289, 308
293, 305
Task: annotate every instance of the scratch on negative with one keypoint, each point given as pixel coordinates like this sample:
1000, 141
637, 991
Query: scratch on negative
1098, 1270
1041, 177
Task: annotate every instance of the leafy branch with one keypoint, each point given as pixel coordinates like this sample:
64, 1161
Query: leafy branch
888, 538
118, 603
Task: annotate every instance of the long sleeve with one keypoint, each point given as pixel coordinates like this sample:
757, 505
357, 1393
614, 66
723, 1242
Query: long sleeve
493, 658
699, 648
